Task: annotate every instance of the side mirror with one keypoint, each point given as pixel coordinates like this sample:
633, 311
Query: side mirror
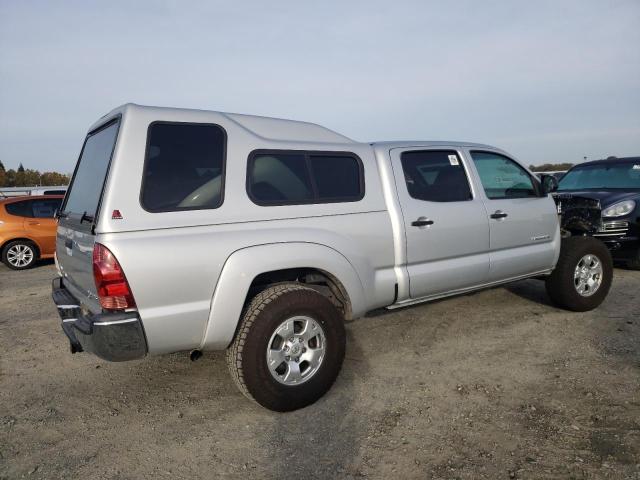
549, 183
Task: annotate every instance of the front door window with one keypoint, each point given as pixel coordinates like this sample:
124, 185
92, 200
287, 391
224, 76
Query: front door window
501, 177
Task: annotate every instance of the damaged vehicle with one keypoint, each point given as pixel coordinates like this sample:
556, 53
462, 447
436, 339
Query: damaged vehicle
604, 198
192, 230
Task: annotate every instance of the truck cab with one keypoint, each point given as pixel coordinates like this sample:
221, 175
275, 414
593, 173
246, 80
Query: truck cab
468, 215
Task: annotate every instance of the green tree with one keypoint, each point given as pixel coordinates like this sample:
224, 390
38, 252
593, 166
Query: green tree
21, 168
26, 178
10, 178
1, 167
31, 178
19, 179
54, 179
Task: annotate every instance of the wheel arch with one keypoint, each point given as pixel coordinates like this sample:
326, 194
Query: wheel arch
320, 280
25, 239
248, 270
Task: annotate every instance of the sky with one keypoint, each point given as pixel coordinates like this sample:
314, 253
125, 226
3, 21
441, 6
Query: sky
548, 81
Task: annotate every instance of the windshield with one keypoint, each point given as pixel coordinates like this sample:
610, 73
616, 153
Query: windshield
86, 187
602, 176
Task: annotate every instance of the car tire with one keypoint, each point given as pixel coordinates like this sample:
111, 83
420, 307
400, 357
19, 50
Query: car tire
19, 254
276, 322
582, 277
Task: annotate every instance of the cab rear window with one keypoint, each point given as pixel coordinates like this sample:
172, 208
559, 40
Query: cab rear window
88, 180
184, 167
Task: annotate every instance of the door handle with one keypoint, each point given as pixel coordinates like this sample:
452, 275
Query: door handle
422, 222
498, 214
33, 223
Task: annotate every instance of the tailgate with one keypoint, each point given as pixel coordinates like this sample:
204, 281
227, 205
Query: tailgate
76, 235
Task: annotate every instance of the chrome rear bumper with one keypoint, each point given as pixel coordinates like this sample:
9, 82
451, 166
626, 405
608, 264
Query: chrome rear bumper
113, 336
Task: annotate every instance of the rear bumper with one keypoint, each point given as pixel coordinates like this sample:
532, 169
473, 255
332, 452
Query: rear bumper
113, 336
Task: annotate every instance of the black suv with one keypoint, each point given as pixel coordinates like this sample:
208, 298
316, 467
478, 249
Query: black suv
615, 183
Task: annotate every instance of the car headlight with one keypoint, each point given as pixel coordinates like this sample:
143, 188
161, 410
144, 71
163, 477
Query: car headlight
619, 209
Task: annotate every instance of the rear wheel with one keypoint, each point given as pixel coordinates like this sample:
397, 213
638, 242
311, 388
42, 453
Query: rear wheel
19, 255
582, 277
289, 348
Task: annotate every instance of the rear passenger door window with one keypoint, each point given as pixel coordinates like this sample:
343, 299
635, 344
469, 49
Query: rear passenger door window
299, 177
435, 176
501, 177
184, 167
45, 208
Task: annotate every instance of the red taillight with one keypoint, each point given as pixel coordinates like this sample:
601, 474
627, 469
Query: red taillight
112, 286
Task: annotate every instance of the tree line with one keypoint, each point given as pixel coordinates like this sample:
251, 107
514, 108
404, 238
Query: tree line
26, 177
551, 167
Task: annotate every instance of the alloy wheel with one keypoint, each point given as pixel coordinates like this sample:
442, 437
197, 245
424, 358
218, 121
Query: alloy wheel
296, 350
587, 276
20, 255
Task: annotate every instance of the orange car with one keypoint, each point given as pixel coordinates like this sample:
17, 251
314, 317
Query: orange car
28, 229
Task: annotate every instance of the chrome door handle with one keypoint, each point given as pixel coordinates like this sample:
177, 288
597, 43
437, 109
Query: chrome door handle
498, 214
422, 222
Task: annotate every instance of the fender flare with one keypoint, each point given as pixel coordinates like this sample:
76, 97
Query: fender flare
244, 265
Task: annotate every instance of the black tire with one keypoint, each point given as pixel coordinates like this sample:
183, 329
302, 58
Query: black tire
21, 244
561, 285
247, 355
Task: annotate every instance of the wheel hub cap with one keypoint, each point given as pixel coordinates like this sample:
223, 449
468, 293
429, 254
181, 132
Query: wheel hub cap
20, 255
296, 350
588, 275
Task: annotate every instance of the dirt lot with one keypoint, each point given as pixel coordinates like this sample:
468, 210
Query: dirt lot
498, 384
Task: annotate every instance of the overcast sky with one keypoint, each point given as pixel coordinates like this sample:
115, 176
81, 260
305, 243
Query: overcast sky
546, 80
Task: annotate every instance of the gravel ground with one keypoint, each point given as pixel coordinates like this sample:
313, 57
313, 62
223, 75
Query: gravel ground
496, 384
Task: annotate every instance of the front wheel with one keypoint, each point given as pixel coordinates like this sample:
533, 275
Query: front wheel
289, 348
582, 277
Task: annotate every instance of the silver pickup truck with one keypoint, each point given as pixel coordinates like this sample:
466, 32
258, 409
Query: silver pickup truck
189, 230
